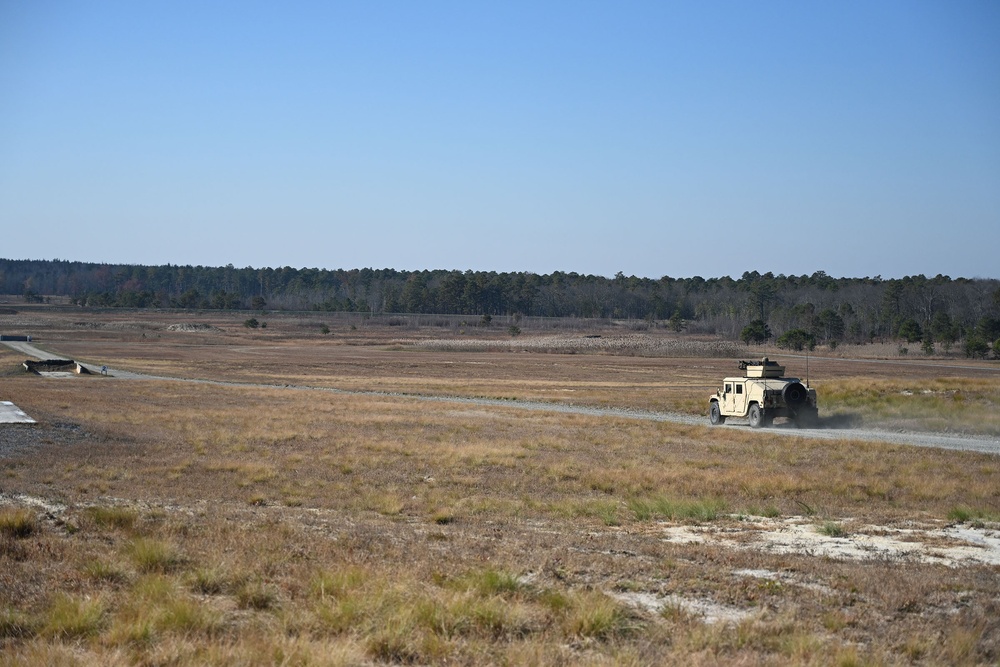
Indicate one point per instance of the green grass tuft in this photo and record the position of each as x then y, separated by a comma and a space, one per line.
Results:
594, 615
18, 523
256, 596
184, 616
443, 517
647, 509
73, 617
151, 555
963, 514
832, 529
337, 584
16, 625
119, 518
208, 581
99, 570
489, 582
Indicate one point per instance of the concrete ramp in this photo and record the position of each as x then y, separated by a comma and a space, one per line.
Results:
11, 414
56, 367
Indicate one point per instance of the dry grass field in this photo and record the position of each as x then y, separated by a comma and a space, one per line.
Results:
159, 522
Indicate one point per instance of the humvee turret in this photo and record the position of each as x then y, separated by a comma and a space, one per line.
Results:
763, 394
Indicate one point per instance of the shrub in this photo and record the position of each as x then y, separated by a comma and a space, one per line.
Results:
756, 332
251, 323
676, 322
943, 329
910, 331
976, 348
796, 339
988, 328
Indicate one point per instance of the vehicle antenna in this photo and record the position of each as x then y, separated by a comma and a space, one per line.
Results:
807, 366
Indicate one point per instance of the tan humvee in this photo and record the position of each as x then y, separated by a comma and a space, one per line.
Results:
763, 394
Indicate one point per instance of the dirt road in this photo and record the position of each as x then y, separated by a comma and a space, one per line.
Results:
830, 430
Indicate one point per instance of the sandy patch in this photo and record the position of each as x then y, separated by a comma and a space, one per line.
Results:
953, 546
707, 611
51, 507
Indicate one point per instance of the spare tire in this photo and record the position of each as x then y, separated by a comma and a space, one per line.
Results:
794, 394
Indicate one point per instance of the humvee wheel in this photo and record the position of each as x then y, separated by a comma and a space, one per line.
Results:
715, 414
756, 418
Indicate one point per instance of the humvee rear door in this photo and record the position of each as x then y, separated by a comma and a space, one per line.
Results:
739, 398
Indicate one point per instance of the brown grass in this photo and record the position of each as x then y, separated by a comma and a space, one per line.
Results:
210, 524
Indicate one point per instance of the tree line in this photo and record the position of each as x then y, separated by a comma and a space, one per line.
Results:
793, 310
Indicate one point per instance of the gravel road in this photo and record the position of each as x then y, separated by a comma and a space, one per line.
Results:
830, 430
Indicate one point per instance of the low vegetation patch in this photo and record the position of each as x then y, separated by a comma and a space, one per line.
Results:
118, 518
218, 524
661, 508
627, 345
963, 514
832, 529
17, 522
941, 404
73, 617
153, 555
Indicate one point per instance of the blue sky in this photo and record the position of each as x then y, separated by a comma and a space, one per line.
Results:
652, 138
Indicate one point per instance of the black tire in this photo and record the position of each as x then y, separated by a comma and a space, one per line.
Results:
715, 414
756, 417
794, 394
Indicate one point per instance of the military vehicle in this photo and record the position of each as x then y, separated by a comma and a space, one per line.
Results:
763, 394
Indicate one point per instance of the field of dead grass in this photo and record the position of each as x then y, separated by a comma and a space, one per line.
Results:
926, 395
156, 522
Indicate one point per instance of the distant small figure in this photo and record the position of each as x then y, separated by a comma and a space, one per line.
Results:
104, 370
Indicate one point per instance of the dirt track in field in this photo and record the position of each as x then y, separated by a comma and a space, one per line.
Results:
830, 428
